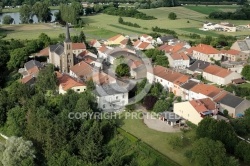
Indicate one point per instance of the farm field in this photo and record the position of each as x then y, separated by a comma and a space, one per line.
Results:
32, 31
158, 140
181, 25
212, 8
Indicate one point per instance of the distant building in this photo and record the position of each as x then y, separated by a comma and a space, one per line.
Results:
242, 45
223, 26
206, 53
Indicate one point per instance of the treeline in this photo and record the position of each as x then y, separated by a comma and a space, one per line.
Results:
40, 9
121, 21
156, 4
127, 12
32, 2
162, 30
239, 14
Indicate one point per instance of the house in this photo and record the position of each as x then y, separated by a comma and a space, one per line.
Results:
115, 40
171, 49
164, 76
139, 45
242, 45
84, 54
103, 51
164, 39
95, 43
30, 72
137, 69
63, 56
178, 60
82, 71
170, 118
185, 88
197, 67
219, 75
206, 53
235, 55
147, 39
201, 90
101, 78
123, 43
111, 97
223, 26
67, 82
195, 110
235, 105
177, 84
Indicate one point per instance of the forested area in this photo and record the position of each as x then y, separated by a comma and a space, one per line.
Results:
240, 14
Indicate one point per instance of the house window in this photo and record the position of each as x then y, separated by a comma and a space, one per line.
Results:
123, 96
103, 106
116, 97
78, 90
161, 80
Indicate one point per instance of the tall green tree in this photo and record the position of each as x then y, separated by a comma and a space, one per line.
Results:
17, 151
25, 13
246, 72
42, 11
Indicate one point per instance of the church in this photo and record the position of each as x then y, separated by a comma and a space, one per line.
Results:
63, 56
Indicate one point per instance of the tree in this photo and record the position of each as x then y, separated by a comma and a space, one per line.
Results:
172, 16
82, 38
242, 151
218, 130
90, 85
42, 11
17, 58
161, 106
149, 102
25, 13
129, 43
17, 151
44, 39
209, 152
246, 72
7, 19
162, 60
46, 80
122, 70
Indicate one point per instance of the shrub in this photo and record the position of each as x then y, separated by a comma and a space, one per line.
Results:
7, 19
172, 16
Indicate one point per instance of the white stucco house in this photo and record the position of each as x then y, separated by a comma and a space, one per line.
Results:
111, 97
206, 53
219, 75
178, 60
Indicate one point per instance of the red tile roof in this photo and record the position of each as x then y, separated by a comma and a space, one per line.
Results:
203, 105
124, 42
67, 82
92, 42
206, 49
82, 69
136, 43
143, 45
102, 78
166, 73
217, 71
26, 79
180, 56
233, 52
33, 71
181, 80
102, 49
43, 52
207, 90
77, 46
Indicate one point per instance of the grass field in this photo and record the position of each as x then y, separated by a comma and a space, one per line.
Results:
181, 25
32, 31
212, 8
158, 140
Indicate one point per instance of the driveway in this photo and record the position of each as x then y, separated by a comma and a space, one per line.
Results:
156, 124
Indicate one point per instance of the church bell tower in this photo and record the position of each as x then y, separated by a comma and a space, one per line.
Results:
68, 57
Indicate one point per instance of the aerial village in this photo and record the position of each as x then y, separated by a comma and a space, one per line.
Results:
199, 97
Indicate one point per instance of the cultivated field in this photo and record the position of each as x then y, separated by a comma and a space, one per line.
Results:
194, 16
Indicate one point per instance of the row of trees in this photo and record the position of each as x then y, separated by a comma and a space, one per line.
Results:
239, 14
162, 30
156, 4
121, 21
40, 9
127, 12
32, 2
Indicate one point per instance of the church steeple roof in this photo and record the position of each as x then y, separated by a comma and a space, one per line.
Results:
67, 37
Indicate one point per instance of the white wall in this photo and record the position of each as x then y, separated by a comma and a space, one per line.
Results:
119, 100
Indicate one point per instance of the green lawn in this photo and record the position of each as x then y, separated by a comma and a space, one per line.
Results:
246, 85
157, 140
200, 32
209, 9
